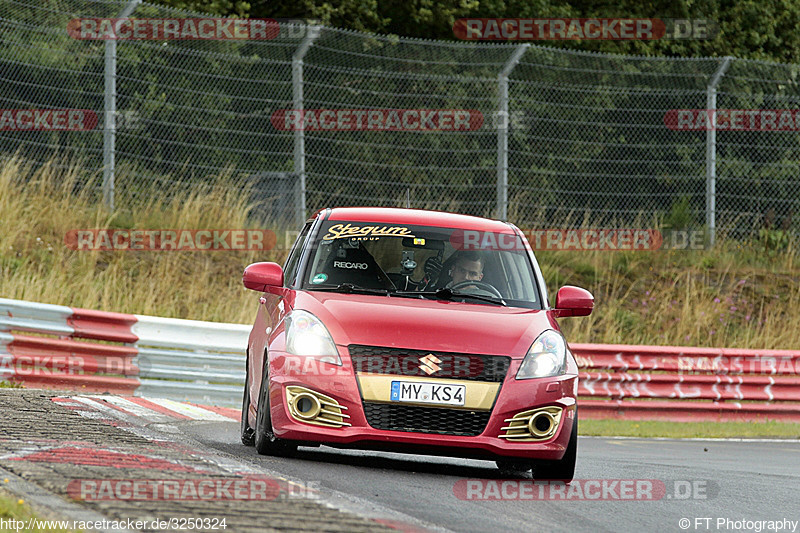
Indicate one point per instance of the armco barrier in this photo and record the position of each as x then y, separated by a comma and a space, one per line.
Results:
204, 362
683, 384
50, 346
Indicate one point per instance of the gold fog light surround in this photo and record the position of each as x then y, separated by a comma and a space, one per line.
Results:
311, 407
532, 425
307, 406
542, 424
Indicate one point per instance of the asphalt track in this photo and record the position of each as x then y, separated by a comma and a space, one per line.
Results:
732, 481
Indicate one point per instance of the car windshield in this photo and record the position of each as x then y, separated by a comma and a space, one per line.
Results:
420, 261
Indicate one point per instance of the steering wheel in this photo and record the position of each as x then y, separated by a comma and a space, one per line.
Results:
480, 285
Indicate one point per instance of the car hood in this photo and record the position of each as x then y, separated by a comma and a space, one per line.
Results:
436, 325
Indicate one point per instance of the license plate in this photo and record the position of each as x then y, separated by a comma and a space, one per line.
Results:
434, 393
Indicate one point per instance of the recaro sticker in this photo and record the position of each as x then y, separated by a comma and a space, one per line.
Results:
352, 266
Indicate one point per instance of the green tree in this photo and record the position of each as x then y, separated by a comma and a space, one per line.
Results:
747, 29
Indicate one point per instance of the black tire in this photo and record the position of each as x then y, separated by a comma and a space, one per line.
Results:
564, 469
265, 440
248, 435
513, 466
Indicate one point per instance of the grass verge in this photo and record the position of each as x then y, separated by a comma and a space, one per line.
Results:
739, 295
39, 206
659, 428
13, 508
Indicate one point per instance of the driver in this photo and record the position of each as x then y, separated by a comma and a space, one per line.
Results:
467, 267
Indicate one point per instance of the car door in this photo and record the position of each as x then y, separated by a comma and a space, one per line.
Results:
272, 308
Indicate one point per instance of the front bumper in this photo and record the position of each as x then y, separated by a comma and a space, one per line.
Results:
340, 383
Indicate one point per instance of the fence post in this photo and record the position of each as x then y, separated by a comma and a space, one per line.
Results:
502, 131
711, 152
110, 110
312, 32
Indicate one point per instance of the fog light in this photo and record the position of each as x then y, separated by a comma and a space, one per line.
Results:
541, 424
312, 407
533, 424
307, 406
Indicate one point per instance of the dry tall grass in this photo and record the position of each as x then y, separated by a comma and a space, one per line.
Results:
737, 295
37, 208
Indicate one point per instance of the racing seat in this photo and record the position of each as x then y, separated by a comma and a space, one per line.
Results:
347, 264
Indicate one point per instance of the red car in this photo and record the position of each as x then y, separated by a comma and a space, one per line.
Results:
413, 331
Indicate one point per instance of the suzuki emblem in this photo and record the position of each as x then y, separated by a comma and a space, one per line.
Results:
429, 365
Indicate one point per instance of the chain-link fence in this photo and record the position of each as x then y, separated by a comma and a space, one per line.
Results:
585, 141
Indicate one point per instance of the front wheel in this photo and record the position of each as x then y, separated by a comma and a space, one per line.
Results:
265, 440
513, 467
248, 435
563, 469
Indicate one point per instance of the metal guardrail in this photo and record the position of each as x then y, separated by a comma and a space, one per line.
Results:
203, 362
191, 360
186, 360
685, 384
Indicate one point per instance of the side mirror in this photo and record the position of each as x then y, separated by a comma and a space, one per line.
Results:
259, 276
573, 301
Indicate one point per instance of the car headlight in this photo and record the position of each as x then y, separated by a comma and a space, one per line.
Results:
546, 357
306, 335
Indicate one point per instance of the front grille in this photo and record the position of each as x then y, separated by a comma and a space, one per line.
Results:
426, 419
403, 362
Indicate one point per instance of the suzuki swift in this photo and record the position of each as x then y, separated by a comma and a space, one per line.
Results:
413, 331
